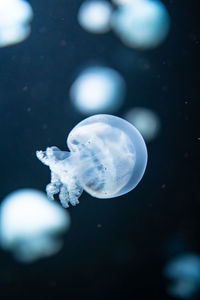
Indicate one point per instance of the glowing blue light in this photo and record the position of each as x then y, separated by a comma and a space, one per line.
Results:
184, 273
108, 158
94, 16
141, 24
15, 16
29, 225
146, 121
98, 90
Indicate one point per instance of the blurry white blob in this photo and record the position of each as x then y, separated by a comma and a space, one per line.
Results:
184, 272
98, 90
30, 225
141, 24
15, 16
146, 121
13, 35
94, 16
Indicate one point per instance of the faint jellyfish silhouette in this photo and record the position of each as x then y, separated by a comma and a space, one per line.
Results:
98, 89
94, 16
31, 225
108, 158
184, 272
15, 16
146, 121
141, 24
177, 243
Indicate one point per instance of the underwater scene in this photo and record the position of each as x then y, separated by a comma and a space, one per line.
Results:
100, 149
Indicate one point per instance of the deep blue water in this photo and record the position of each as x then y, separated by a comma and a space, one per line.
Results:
127, 253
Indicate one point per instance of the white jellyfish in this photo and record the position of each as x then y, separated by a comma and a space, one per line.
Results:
94, 16
184, 274
31, 225
15, 18
98, 89
141, 24
107, 158
146, 121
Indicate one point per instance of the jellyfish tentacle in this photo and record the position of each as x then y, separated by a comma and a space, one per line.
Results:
69, 193
51, 190
63, 196
41, 155
63, 182
53, 187
48, 157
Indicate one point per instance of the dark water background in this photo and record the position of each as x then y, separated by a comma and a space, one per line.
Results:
114, 247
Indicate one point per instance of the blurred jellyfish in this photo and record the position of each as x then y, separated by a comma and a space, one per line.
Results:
142, 24
98, 90
107, 159
31, 224
15, 18
146, 121
94, 16
184, 273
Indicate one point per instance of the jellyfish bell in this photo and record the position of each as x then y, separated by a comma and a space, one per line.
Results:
94, 16
14, 35
107, 159
98, 89
146, 121
30, 225
141, 24
15, 18
113, 144
14, 12
185, 265
183, 271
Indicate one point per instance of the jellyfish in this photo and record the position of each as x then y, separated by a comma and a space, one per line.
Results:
141, 24
94, 16
184, 273
146, 121
98, 89
31, 225
107, 159
15, 18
